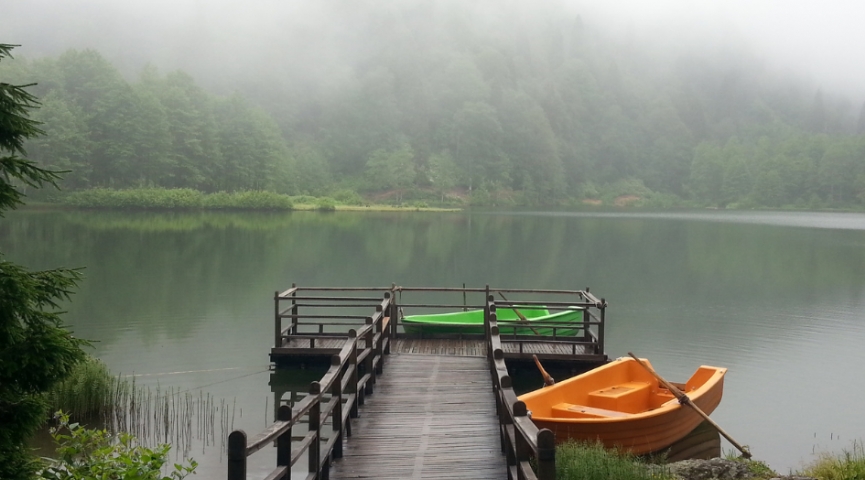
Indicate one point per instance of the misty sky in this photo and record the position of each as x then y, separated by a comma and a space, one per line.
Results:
822, 40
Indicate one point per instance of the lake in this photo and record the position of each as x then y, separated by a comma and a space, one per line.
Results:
183, 301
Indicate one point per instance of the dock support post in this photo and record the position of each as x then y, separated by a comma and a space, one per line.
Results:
283, 442
379, 351
277, 322
314, 451
546, 455
352, 371
369, 340
294, 310
603, 308
237, 455
337, 409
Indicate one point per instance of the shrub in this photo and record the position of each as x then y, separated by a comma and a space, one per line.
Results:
348, 197
326, 204
84, 454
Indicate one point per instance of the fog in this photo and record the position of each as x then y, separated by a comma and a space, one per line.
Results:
223, 42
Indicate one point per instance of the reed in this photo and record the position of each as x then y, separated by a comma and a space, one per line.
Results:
88, 392
154, 415
588, 461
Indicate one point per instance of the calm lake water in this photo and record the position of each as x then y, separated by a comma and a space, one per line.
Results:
184, 301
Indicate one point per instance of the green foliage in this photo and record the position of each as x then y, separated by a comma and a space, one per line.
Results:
87, 392
178, 198
848, 465
582, 461
348, 197
36, 351
325, 204
85, 454
531, 123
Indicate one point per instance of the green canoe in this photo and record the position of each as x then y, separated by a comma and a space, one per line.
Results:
472, 322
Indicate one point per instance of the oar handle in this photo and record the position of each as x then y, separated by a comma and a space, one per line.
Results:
548, 379
520, 314
683, 398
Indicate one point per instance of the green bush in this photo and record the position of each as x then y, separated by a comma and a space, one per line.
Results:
348, 197
326, 204
85, 454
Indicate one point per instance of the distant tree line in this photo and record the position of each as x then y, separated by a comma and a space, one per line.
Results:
541, 111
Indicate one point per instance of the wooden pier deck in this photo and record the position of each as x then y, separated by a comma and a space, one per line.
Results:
398, 404
432, 417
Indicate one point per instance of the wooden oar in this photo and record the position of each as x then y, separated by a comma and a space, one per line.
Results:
520, 314
683, 398
548, 379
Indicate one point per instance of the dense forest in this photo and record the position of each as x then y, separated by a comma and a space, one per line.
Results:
451, 105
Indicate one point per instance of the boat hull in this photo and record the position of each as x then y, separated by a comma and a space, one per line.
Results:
472, 322
663, 423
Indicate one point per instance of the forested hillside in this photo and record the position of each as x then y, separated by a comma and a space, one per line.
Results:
438, 99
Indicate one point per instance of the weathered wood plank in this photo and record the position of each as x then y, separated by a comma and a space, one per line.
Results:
432, 417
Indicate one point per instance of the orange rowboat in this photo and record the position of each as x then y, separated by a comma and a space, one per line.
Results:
622, 405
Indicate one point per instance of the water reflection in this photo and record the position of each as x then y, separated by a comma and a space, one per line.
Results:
776, 297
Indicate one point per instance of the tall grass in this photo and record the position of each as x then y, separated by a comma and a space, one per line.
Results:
848, 465
177, 198
586, 461
88, 392
153, 415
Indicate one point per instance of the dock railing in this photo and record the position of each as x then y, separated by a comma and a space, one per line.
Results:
585, 334
334, 398
310, 314
521, 440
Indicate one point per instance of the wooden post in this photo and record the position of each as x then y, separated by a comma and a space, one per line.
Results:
603, 308
352, 372
314, 451
394, 312
506, 421
283, 442
546, 455
337, 409
294, 318
390, 332
237, 455
367, 362
465, 302
523, 451
277, 322
379, 351
587, 335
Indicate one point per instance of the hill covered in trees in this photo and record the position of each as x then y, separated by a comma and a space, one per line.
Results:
523, 106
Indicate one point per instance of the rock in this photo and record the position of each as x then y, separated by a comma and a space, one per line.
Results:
712, 469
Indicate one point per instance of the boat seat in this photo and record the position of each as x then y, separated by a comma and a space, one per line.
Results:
569, 410
629, 397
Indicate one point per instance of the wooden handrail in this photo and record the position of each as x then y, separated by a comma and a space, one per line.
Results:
521, 438
344, 388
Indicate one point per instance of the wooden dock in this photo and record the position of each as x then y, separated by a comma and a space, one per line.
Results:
444, 405
432, 417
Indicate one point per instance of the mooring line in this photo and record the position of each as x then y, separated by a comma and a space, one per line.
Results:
187, 371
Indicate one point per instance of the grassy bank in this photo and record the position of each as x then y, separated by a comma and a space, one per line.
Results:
188, 199
581, 461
